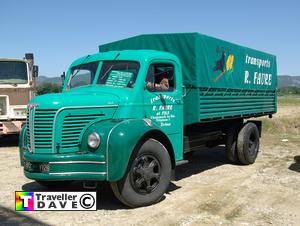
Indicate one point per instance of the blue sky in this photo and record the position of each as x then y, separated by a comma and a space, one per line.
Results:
58, 32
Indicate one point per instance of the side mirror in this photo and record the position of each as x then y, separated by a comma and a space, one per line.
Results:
35, 71
63, 77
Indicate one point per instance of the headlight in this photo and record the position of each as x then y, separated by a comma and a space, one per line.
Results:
94, 140
20, 112
3, 105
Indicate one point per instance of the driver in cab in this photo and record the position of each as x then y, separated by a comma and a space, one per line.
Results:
161, 82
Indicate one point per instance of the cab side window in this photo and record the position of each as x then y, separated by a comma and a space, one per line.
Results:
161, 78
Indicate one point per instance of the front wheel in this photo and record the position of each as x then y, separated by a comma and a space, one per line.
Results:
147, 178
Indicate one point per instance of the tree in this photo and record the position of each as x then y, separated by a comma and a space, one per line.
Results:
292, 90
48, 88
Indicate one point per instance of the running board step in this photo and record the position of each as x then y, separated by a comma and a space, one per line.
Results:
90, 185
181, 162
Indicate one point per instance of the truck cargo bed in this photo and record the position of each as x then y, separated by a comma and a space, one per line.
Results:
217, 104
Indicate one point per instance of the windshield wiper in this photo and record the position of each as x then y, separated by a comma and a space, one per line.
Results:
106, 72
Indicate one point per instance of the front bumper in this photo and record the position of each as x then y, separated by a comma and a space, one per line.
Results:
11, 127
71, 166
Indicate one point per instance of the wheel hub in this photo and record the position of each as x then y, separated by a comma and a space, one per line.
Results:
145, 174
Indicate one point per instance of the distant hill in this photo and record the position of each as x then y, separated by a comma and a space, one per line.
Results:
82, 79
283, 80
44, 79
288, 81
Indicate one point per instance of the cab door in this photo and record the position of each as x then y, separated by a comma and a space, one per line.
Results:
163, 97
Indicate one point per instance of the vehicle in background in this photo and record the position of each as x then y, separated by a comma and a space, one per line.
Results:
17, 87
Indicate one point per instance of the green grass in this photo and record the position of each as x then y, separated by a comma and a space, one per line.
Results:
287, 124
281, 125
289, 100
267, 125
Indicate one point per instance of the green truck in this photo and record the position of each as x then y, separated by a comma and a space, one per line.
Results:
131, 113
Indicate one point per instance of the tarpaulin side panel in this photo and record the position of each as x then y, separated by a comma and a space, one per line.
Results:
222, 64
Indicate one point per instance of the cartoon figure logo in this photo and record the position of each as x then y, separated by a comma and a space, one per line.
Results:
224, 65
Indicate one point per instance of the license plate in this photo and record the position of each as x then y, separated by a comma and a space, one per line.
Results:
28, 166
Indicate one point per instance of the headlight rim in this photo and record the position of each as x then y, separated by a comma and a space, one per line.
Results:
97, 136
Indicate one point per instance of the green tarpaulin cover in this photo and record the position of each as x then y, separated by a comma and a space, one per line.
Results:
223, 80
209, 62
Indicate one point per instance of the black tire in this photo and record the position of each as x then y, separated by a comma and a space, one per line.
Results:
54, 184
231, 144
147, 178
248, 143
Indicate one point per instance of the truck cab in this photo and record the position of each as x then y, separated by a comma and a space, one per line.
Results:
106, 114
17, 82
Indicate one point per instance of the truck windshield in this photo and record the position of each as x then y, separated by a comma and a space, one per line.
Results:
13, 72
112, 73
83, 74
118, 73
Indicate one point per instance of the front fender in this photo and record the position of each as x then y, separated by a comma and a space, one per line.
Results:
121, 142
118, 141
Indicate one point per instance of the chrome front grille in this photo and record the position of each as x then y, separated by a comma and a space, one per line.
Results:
43, 128
72, 127
39, 132
28, 141
42, 136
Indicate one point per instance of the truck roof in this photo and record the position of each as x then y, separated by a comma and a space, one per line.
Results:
12, 59
134, 55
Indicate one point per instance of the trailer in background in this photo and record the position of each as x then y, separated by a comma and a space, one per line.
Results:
17, 87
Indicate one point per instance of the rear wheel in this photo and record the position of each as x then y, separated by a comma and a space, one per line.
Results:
248, 143
147, 178
231, 144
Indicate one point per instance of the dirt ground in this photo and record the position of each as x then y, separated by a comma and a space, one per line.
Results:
208, 191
